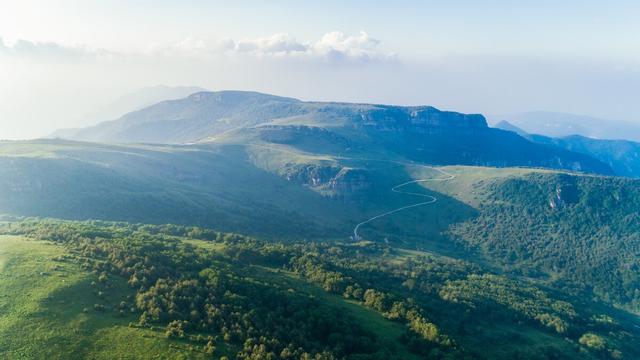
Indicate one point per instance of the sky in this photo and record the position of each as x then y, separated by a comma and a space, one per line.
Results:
61, 60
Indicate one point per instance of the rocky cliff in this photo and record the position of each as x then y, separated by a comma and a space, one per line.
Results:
422, 119
335, 182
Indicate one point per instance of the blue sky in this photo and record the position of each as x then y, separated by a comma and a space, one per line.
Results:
61, 59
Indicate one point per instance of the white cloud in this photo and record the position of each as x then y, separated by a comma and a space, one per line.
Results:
275, 44
361, 46
49, 51
332, 47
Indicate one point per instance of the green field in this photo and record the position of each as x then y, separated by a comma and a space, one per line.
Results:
47, 310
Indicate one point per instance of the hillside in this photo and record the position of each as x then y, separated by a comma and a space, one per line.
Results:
575, 233
113, 290
262, 190
205, 185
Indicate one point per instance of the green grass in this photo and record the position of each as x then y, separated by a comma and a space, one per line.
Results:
42, 311
47, 309
469, 183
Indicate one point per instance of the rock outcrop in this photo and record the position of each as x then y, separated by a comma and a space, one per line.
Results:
342, 183
422, 119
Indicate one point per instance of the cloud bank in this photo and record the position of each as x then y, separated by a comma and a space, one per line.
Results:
50, 51
334, 46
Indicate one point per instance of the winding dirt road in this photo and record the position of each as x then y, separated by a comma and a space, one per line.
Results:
395, 189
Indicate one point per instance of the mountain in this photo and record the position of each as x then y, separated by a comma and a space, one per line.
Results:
268, 227
622, 156
420, 133
507, 126
131, 102
560, 125
541, 257
192, 118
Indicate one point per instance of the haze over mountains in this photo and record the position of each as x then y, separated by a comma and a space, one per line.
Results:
556, 124
623, 156
130, 102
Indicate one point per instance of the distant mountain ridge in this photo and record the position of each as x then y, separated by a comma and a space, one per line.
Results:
622, 156
505, 125
561, 124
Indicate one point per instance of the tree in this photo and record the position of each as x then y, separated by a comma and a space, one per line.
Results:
592, 341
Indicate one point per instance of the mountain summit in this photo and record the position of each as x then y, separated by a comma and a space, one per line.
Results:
206, 114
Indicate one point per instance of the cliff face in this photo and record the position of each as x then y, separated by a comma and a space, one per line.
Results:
295, 134
335, 182
422, 120
566, 194
350, 182
311, 175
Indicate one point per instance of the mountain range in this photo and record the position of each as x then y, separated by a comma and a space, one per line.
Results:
420, 133
249, 225
623, 156
554, 124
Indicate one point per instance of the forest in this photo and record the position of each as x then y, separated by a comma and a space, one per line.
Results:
579, 234
217, 291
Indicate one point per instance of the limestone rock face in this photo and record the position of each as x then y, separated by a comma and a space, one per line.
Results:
334, 182
422, 119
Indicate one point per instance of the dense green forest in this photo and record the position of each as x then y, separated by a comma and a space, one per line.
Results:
230, 295
577, 233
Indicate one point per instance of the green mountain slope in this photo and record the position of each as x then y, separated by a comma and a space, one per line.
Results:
576, 233
212, 186
51, 308
267, 190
